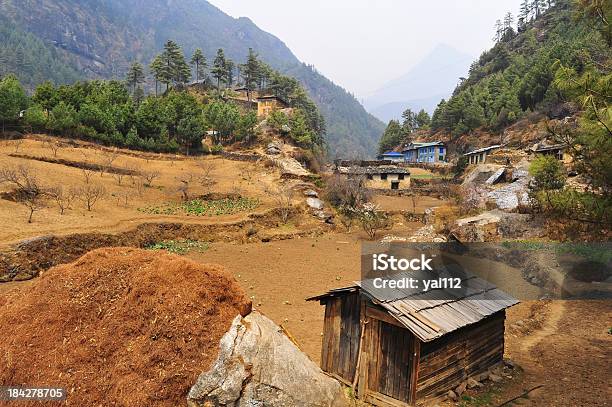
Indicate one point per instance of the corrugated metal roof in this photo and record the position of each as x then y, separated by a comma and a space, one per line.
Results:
480, 150
383, 169
437, 312
414, 146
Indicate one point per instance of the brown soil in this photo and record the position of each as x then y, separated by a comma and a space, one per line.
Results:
26, 259
112, 214
404, 203
564, 345
122, 327
279, 275
77, 164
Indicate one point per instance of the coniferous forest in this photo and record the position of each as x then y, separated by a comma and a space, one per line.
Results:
171, 117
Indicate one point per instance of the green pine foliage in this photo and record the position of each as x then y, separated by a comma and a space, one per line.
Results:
516, 76
392, 137
31, 59
118, 112
13, 100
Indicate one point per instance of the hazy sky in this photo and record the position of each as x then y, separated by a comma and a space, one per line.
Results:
362, 44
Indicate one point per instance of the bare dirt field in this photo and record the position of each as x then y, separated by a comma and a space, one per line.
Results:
118, 210
406, 203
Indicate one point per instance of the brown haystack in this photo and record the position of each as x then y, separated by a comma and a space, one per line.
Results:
118, 327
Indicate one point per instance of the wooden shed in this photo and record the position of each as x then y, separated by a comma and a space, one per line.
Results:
398, 347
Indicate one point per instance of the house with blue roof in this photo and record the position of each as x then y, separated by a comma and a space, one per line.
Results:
393, 156
430, 152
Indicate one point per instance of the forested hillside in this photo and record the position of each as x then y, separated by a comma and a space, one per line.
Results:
100, 39
35, 60
517, 76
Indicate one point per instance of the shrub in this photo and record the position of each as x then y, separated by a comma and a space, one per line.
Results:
63, 119
371, 218
35, 117
342, 191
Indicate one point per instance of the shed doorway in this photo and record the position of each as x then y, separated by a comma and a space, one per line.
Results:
394, 184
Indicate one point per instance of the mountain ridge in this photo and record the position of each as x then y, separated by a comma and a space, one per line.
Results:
434, 76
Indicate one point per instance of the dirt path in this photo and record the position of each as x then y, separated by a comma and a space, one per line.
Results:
564, 346
550, 326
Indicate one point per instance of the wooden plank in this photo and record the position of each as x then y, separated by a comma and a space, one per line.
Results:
414, 372
374, 351
451, 359
335, 337
384, 316
379, 399
364, 352
356, 334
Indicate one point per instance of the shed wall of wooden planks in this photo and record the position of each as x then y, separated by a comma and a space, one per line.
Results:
341, 333
446, 362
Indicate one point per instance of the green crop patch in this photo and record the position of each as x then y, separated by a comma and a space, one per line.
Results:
198, 207
179, 246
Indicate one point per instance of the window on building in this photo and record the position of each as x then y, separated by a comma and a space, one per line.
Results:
370, 177
441, 150
383, 177
400, 176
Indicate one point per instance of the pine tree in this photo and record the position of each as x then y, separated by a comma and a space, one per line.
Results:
156, 68
536, 6
499, 31
229, 72
422, 119
391, 138
508, 20
409, 122
251, 72
175, 69
135, 76
199, 60
265, 74
525, 10
218, 70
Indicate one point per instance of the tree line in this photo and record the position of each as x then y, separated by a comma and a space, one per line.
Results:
173, 118
398, 132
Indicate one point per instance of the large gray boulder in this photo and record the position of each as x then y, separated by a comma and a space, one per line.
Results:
258, 366
510, 196
315, 203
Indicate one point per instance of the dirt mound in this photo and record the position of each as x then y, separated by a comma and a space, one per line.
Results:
120, 326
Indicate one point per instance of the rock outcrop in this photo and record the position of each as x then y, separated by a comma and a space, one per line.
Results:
493, 226
291, 168
259, 366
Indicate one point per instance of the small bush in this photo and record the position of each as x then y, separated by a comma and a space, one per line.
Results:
342, 191
371, 218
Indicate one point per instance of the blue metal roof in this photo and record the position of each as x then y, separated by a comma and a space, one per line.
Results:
393, 153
